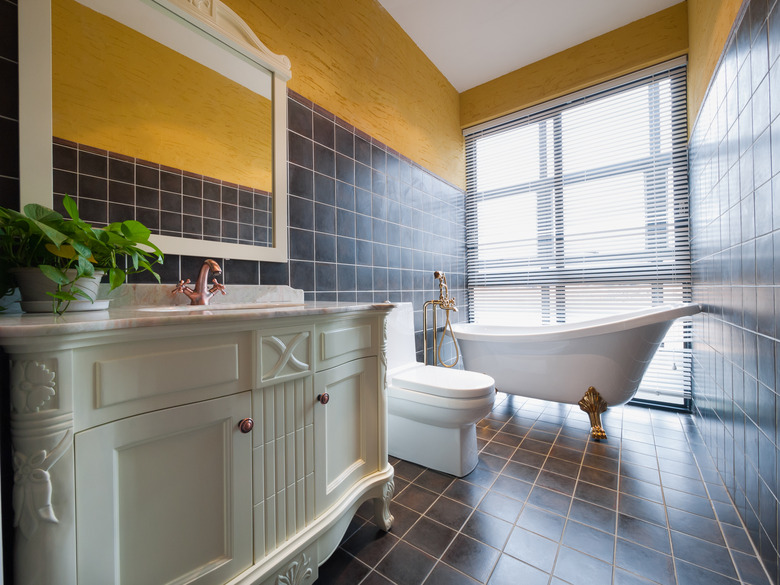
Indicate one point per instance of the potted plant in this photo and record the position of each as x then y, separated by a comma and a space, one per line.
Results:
70, 253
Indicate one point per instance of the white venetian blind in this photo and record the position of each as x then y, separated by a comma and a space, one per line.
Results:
578, 209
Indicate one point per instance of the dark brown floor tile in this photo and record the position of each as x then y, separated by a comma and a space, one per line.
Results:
749, 569
683, 484
481, 477
430, 537
434, 481
399, 486
405, 565
570, 455
603, 450
515, 429
369, 544
689, 503
488, 529
561, 467
640, 459
573, 443
449, 512
417, 498
727, 513
641, 489
705, 554
737, 538
589, 541
373, 578
521, 471
408, 471
694, 525
596, 495
644, 561
554, 481
532, 549
642, 509
471, 557
602, 463
599, 477
535, 446
491, 463
403, 519
514, 488
342, 568
593, 515
508, 569
677, 468
549, 500
542, 522
465, 492
529, 457
688, 574
443, 574
501, 506
507, 439
498, 450
645, 474
576, 567
644, 533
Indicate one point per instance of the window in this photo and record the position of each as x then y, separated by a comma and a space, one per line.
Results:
578, 209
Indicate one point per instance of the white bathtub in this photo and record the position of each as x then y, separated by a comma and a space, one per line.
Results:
560, 362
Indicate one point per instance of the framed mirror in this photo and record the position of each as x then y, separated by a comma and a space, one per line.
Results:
185, 103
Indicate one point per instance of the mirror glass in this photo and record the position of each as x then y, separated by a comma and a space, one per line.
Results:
186, 115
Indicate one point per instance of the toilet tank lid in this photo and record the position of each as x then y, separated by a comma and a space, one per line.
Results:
445, 382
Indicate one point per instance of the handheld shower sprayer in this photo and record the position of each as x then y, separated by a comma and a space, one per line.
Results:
447, 303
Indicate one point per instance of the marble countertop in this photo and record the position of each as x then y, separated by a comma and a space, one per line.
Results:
144, 307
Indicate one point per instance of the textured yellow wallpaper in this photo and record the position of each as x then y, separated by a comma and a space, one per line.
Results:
642, 43
115, 89
709, 24
354, 60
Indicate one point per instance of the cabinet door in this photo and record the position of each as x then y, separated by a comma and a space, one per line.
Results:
346, 444
166, 497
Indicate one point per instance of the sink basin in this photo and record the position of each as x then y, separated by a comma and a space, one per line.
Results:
215, 307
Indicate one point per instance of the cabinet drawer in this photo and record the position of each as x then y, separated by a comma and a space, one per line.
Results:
346, 340
119, 380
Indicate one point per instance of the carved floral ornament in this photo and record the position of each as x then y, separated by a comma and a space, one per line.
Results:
297, 572
32, 386
32, 486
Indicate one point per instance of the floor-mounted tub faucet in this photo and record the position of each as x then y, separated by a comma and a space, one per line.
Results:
199, 295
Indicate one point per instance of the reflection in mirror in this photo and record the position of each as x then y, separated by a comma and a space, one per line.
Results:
172, 120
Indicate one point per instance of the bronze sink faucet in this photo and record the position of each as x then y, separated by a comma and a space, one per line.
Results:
199, 295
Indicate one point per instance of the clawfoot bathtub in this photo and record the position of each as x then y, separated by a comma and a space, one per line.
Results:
604, 358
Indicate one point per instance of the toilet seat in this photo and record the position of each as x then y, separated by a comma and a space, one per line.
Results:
447, 383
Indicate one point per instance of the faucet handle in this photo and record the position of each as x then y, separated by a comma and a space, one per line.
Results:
217, 287
180, 287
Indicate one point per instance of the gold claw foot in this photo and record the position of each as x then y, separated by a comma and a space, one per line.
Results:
594, 405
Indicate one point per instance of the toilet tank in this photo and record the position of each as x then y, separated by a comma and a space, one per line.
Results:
400, 337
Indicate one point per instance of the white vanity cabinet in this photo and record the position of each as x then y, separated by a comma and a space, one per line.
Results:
135, 462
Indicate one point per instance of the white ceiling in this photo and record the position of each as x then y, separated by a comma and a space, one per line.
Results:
474, 41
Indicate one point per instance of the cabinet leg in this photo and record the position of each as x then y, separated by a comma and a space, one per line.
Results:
382, 515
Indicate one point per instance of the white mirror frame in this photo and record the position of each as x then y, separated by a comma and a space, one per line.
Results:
207, 32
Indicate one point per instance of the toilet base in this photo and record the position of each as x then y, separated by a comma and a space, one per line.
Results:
450, 450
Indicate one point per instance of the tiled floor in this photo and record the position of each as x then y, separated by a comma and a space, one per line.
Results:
548, 505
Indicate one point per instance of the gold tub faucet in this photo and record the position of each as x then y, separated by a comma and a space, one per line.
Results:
200, 295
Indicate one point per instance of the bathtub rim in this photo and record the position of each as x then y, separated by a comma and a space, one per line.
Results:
600, 326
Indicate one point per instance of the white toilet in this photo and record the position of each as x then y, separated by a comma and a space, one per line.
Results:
432, 411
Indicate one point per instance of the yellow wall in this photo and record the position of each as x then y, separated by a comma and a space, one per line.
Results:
709, 24
642, 43
115, 89
354, 60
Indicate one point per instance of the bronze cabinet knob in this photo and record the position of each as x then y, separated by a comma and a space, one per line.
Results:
323, 398
245, 425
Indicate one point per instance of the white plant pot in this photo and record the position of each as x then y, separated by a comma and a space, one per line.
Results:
34, 286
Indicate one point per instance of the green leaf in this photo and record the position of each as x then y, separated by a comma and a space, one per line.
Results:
70, 207
54, 274
116, 277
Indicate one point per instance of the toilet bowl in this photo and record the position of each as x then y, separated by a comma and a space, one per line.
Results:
432, 411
